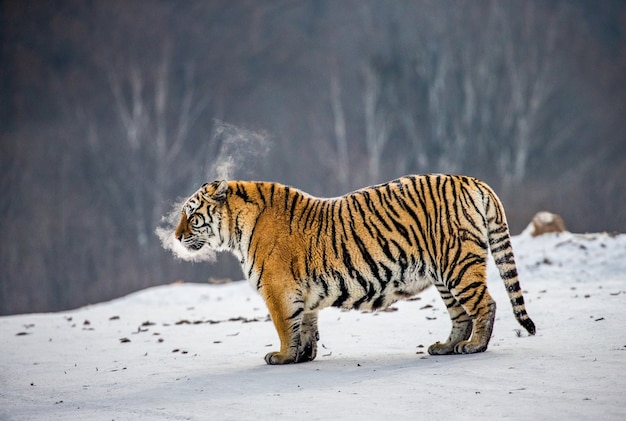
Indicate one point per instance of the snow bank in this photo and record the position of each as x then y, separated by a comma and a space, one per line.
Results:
189, 351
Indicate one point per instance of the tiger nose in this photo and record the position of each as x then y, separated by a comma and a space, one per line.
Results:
179, 237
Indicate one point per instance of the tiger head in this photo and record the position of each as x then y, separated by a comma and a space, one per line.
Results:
201, 218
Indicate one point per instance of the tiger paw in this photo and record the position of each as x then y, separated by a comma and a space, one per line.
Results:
439, 348
469, 347
276, 358
308, 352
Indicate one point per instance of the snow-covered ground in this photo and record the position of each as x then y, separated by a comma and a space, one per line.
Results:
190, 351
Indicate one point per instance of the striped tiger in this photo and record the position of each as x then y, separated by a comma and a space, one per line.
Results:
364, 250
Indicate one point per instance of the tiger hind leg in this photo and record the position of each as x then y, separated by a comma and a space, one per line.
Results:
461, 325
472, 311
482, 329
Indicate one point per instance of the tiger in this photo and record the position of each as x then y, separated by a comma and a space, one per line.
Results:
364, 250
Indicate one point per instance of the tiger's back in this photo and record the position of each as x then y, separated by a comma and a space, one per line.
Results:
367, 249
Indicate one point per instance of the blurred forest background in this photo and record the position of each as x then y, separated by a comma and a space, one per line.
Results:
111, 110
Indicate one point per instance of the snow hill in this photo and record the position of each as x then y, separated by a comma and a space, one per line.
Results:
191, 351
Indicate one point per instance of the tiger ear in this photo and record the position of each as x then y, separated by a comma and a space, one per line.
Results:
221, 191
217, 190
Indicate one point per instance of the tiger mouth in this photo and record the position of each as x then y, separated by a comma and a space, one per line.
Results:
193, 244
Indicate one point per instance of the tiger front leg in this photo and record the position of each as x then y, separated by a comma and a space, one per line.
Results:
287, 314
308, 338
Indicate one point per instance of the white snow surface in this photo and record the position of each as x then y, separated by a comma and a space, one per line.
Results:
195, 351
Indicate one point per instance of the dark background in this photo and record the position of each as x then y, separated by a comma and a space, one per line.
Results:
110, 111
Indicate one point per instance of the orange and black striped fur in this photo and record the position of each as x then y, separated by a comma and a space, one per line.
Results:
364, 250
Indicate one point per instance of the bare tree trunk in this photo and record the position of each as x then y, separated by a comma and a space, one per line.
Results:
341, 141
156, 123
377, 124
